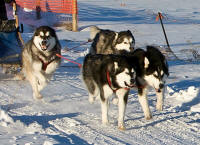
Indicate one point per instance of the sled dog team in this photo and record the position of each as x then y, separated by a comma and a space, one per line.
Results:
112, 67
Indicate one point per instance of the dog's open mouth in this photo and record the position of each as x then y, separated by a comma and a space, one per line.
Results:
157, 90
44, 47
129, 86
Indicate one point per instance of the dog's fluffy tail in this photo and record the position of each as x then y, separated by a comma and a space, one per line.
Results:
93, 31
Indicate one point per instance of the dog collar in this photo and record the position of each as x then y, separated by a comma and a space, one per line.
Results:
109, 82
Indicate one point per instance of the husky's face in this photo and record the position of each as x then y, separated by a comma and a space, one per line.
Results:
125, 76
125, 41
44, 38
157, 79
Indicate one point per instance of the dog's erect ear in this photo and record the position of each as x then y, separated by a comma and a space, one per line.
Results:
116, 35
166, 70
146, 62
116, 65
129, 32
112, 67
36, 33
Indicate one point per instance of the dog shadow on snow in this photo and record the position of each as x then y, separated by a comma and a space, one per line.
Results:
62, 138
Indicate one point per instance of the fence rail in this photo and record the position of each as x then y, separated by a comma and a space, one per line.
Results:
55, 6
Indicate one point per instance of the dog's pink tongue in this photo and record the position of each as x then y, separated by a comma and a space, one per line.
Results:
44, 47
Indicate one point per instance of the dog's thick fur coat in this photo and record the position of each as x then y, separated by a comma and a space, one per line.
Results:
111, 42
105, 75
39, 60
152, 70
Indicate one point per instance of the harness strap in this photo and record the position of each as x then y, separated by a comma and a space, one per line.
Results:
109, 82
45, 64
141, 87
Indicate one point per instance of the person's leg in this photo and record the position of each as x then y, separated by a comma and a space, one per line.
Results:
3, 14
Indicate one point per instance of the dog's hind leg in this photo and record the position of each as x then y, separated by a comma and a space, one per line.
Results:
92, 89
122, 95
142, 94
160, 97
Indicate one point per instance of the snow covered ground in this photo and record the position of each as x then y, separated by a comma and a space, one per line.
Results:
65, 115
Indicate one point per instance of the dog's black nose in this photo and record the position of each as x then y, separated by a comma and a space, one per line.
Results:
44, 42
131, 49
132, 80
161, 86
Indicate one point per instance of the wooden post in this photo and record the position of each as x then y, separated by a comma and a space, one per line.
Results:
74, 16
163, 28
38, 9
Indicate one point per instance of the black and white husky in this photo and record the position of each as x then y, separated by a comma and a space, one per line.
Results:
111, 42
105, 75
39, 60
152, 71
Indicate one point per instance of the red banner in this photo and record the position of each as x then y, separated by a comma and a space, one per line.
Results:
56, 6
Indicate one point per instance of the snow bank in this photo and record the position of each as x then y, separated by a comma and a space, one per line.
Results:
5, 119
188, 97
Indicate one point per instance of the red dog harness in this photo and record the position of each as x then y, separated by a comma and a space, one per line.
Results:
45, 64
109, 82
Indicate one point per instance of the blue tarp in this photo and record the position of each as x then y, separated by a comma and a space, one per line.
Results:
10, 47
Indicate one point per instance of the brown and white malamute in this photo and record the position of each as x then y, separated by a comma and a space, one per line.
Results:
39, 60
111, 42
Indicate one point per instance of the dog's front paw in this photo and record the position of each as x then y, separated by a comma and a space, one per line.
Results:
115, 101
121, 127
148, 117
37, 96
105, 122
91, 100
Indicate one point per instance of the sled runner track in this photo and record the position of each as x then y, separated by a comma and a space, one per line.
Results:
169, 125
73, 80
92, 135
77, 85
5, 90
147, 133
75, 127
